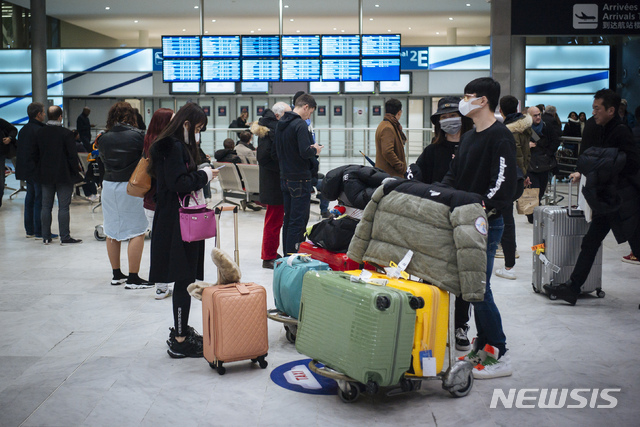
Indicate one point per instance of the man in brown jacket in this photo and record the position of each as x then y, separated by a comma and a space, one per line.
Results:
390, 141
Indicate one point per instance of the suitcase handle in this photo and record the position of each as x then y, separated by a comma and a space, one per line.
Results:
570, 211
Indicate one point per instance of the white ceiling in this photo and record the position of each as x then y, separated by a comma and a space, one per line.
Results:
417, 20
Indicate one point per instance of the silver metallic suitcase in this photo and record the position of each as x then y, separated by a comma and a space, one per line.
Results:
561, 230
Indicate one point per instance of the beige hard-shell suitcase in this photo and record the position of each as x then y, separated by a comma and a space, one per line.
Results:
234, 324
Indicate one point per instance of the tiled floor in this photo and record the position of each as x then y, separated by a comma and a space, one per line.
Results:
76, 351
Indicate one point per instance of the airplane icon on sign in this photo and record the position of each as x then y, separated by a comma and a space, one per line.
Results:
585, 17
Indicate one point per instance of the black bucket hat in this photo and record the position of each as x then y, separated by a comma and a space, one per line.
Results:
448, 104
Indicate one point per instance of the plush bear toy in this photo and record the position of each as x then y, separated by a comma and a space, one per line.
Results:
228, 270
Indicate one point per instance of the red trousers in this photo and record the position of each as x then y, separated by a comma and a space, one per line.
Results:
271, 232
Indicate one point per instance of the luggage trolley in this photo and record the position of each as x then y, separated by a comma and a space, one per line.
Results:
290, 323
457, 379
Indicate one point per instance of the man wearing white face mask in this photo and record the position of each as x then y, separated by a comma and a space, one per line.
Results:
486, 164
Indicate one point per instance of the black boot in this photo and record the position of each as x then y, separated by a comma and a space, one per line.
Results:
564, 291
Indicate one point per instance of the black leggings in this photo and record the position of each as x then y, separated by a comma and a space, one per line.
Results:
181, 306
508, 240
462, 312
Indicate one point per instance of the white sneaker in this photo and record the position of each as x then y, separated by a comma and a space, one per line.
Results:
492, 368
162, 294
499, 252
517, 255
506, 274
94, 198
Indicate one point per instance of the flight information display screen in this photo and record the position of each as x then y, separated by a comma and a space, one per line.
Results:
344, 46
381, 69
261, 46
337, 70
181, 46
220, 46
266, 70
181, 70
381, 45
221, 70
301, 46
294, 70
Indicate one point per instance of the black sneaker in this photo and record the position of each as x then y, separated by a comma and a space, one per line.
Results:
187, 348
119, 280
138, 284
563, 291
191, 334
462, 342
69, 241
46, 241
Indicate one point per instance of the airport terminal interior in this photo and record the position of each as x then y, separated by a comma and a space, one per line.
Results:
77, 351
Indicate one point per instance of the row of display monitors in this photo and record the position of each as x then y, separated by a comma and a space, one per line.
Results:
291, 46
401, 86
273, 70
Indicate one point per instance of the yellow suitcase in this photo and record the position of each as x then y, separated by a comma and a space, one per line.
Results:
432, 321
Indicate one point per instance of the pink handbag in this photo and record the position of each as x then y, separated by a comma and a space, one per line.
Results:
196, 222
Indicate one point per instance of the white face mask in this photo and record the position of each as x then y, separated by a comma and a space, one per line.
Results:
451, 125
186, 135
466, 107
197, 138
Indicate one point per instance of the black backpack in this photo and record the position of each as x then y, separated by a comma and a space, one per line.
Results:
334, 234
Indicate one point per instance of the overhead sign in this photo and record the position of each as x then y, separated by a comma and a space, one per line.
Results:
414, 58
576, 18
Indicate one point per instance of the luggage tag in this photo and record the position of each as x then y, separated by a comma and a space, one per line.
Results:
538, 249
303, 258
397, 270
367, 277
428, 362
547, 263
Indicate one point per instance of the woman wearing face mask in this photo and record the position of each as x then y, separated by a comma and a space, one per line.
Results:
174, 164
449, 125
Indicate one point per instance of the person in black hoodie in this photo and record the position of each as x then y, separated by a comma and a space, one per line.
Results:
270, 193
486, 165
296, 157
615, 134
227, 154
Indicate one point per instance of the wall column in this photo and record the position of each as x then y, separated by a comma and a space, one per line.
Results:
452, 36
507, 52
39, 51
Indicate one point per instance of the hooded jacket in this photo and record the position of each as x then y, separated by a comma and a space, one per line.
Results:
227, 156
265, 129
445, 228
296, 156
352, 184
520, 127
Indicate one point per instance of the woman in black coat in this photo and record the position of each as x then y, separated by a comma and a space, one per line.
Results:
174, 163
270, 193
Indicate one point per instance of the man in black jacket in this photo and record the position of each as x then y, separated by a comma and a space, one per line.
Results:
296, 158
83, 126
26, 169
614, 135
486, 165
8, 134
57, 169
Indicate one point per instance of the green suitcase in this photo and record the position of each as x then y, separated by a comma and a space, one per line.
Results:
362, 330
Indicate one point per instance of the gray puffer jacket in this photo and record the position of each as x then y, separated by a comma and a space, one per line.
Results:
445, 228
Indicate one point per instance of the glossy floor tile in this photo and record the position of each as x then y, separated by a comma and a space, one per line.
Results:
76, 351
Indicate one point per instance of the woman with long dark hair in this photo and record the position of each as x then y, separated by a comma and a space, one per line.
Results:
174, 164
158, 122
123, 215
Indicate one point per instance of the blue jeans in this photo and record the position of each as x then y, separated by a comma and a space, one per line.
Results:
64, 192
33, 208
324, 203
297, 200
487, 316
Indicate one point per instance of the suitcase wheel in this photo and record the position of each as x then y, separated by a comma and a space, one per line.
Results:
536, 290
600, 293
351, 394
383, 302
416, 302
221, 369
553, 297
291, 333
372, 388
99, 237
466, 388
261, 361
